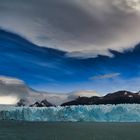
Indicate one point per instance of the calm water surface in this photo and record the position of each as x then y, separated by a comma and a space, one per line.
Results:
11, 130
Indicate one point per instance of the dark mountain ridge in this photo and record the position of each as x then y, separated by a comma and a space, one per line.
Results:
119, 97
43, 103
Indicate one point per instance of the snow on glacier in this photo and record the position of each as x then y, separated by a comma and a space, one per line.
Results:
96, 113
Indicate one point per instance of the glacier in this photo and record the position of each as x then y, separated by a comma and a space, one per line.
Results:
94, 113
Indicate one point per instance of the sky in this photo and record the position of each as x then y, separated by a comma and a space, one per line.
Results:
65, 46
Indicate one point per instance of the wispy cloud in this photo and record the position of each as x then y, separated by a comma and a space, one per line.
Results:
105, 76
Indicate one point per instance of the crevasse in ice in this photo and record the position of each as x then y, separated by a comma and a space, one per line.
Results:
96, 113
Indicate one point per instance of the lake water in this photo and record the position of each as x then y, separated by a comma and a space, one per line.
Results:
11, 130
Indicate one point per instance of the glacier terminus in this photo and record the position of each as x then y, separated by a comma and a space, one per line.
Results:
93, 113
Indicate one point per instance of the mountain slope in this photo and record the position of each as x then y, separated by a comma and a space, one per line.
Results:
120, 97
43, 103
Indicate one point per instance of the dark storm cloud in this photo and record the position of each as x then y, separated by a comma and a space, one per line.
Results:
82, 28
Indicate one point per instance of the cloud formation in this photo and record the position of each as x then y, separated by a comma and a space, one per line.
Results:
50, 70
12, 90
8, 100
81, 28
105, 76
10, 81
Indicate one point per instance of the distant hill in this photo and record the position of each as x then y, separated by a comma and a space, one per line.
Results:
120, 97
43, 103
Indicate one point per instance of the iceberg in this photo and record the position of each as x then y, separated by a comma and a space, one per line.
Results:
94, 113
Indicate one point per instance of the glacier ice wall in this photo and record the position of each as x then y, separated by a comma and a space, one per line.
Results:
96, 113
